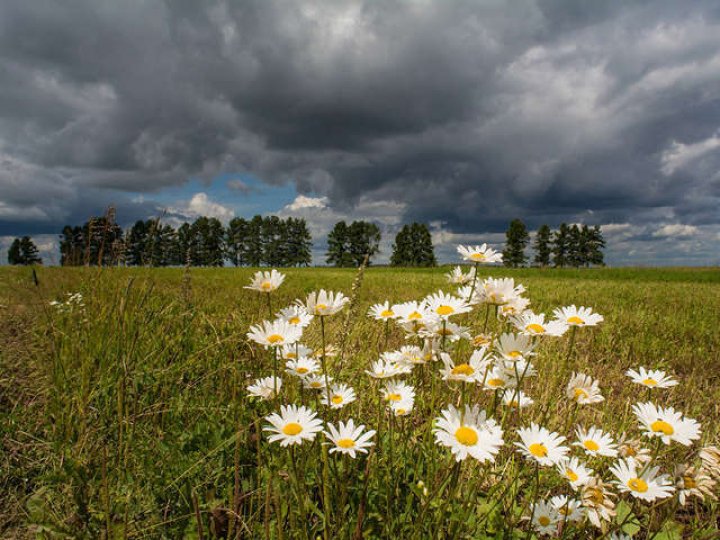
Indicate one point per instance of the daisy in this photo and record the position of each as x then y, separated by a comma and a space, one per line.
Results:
457, 277
402, 407
541, 445
531, 324
583, 389
411, 312
516, 398
544, 518
443, 329
666, 423
514, 346
498, 379
293, 425
384, 369
315, 382
339, 396
274, 334
653, 378
398, 391
577, 316
479, 254
710, 457
568, 509
265, 388
693, 482
470, 434
382, 312
595, 442
266, 282
598, 501
324, 303
471, 371
292, 352
514, 307
646, 486
295, 315
519, 369
633, 449
574, 472
349, 439
444, 305
302, 367
482, 340
469, 293
500, 291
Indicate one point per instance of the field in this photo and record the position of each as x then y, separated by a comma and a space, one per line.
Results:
127, 415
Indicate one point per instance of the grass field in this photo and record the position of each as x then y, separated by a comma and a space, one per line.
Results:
128, 417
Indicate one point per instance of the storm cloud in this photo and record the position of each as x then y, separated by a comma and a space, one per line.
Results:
465, 114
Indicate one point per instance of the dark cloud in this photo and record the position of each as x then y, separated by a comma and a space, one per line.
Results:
465, 113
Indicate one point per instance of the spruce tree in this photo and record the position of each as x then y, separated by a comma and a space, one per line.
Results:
596, 245
575, 247
29, 251
253, 246
543, 248
363, 239
561, 246
413, 246
235, 237
517, 239
14, 256
136, 239
338, 253
299, 243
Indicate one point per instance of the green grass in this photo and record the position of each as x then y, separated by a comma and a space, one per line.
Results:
129, 415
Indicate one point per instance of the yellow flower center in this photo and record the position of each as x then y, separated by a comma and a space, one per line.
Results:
638, 484
320, 307
514, 403
445, 310
661, 426
538, 449
400, 412
564, 511
544, 521
292, 428
575, 320
580, 393
294, 320
689, 482
346, 443
629, 451
290, 355
463, 369
535, 328
571, 475
336, 399
596, 495
479, 341
466, 436
266, 285
393, 397
275, 338
477, 256
316, 384
650, 382
387, 313
414, 316
302, 370
514, 354
495, 383
591, 445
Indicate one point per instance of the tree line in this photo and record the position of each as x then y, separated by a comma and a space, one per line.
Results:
570, 245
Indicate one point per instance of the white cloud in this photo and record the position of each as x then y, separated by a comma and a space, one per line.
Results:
680, 155
301, 201
201, 205
676, 230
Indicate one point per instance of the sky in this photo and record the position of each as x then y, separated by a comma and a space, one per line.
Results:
460, 114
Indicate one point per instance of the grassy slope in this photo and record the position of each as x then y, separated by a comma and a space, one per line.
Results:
149, 387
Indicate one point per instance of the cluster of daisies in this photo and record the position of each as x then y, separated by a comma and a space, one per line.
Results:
595, 465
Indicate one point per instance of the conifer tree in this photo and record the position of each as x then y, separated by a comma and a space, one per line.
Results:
413, 246
517, 239
338, 253
14, 256
299, 243
575, 247
561, 246
29, 252
235, 238
363, 239
543, 248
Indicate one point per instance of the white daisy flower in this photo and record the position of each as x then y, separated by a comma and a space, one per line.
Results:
514, 346
443, 305
574, 472
693, 482
595, 442
583, 389
293, 425
265, 387
349, 439
385, 369
499, 291
274, 334
471, 371
469, 294
541, 445
302, 367
470, 434
653, 378
315, 382
519, 369
568, 509
531, 324
411, 312
402, 407
479, 254
438, 329
295, 315
646, 486
457, 277
266, 282
666, 423
577, 316
324, 303
544, 518
398, 391
293, 352
498, 379
598, 502
410, 355
382, 312
514, 307
516, 398
339, 396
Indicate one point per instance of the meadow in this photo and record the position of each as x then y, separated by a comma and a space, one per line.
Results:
124, 413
